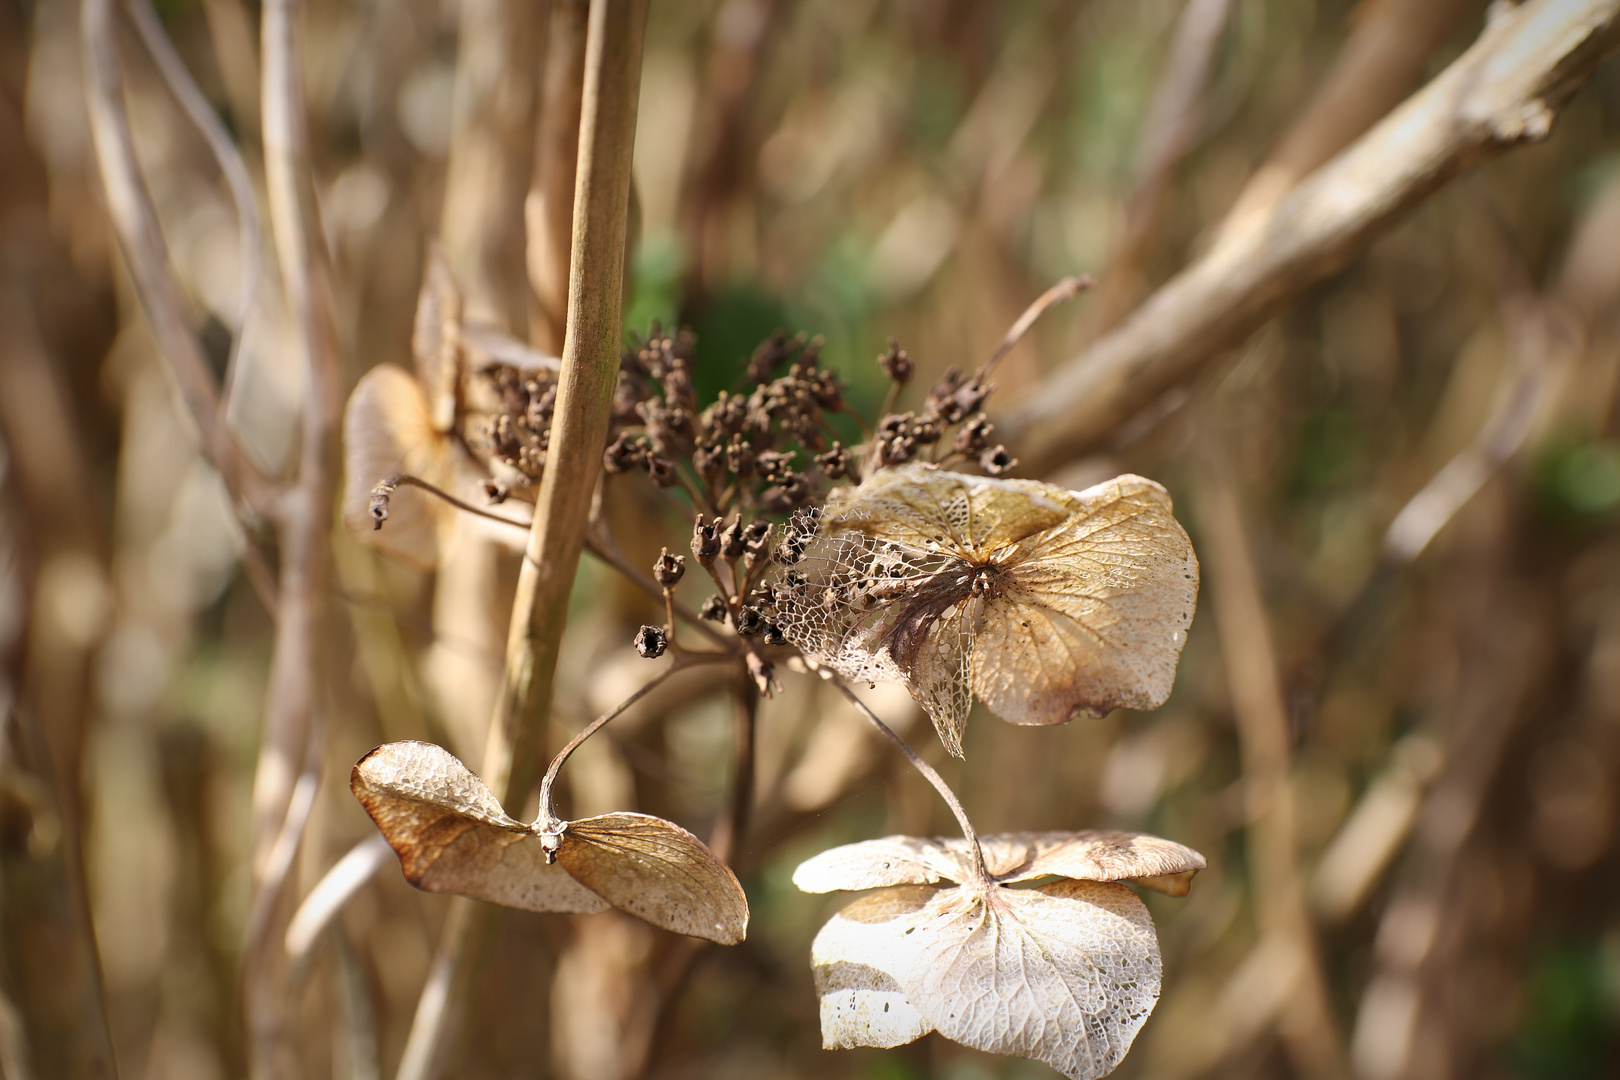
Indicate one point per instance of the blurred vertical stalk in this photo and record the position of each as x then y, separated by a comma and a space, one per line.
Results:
548, 211
290, 744
1305, 1021
590, 368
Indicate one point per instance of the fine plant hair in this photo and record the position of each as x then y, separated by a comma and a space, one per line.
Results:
871, 562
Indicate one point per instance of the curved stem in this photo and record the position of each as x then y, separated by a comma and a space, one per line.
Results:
1067, 289
681, 662
929, 774
381, 491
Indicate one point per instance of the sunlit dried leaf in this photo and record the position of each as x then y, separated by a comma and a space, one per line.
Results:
1090, 855
1045, 603
452, 835
857, 975
1066, 973
657, 871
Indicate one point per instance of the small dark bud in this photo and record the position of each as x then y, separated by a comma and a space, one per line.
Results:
379, 505
732, 542
496, 492
705, 540
774, 465
926, 431
710, 460
757, 536
975, 435
669, 569
713, 609
794, 491
622, 455
996, 461
661, 469
969, 397
834, 464
898, 450
942, 398
651, 641
774, 635
800, 528
749, 622
894, 425
825, 389
740, 456
896, 364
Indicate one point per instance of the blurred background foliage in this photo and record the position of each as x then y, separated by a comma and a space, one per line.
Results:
856, 170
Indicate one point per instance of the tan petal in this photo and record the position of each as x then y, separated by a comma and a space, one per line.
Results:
921, 507
386, 431
1066, 974
452, 835
657, 871
856, 958
1094, 613
872, 864
436, 340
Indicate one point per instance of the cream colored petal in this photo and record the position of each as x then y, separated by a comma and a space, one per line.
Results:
386, 431
855, 958
1093, 614
1090, 855
872, 864
1066, 974
436, 340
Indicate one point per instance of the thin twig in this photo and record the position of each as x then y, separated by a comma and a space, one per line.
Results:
733, 823
1501, 93
327, 898
1066, 289
229, 159
140, 238
383, 490
928, 773
294, 727
680, 662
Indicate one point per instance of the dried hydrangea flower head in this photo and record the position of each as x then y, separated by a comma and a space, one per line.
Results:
1045, 603
1066, 972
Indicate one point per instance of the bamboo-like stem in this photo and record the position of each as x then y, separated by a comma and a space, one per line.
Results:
590, 368
293, 729
929, 774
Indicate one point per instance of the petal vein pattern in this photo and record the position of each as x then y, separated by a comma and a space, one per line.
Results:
1045, 603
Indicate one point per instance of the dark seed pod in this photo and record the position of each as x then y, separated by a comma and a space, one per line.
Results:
710, 460
794, 491
713, 609
774, 635
705, 540
661, 469
651, 641
732, 541
773, 465
896, 364
669, 569
996, 461
757, 536
834, 464
623, 455
740, 456
975, 435
749, 622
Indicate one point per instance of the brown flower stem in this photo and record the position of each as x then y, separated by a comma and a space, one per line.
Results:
680, 662
929, 774
1067, 289
585, 385
729, 830
384, 488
